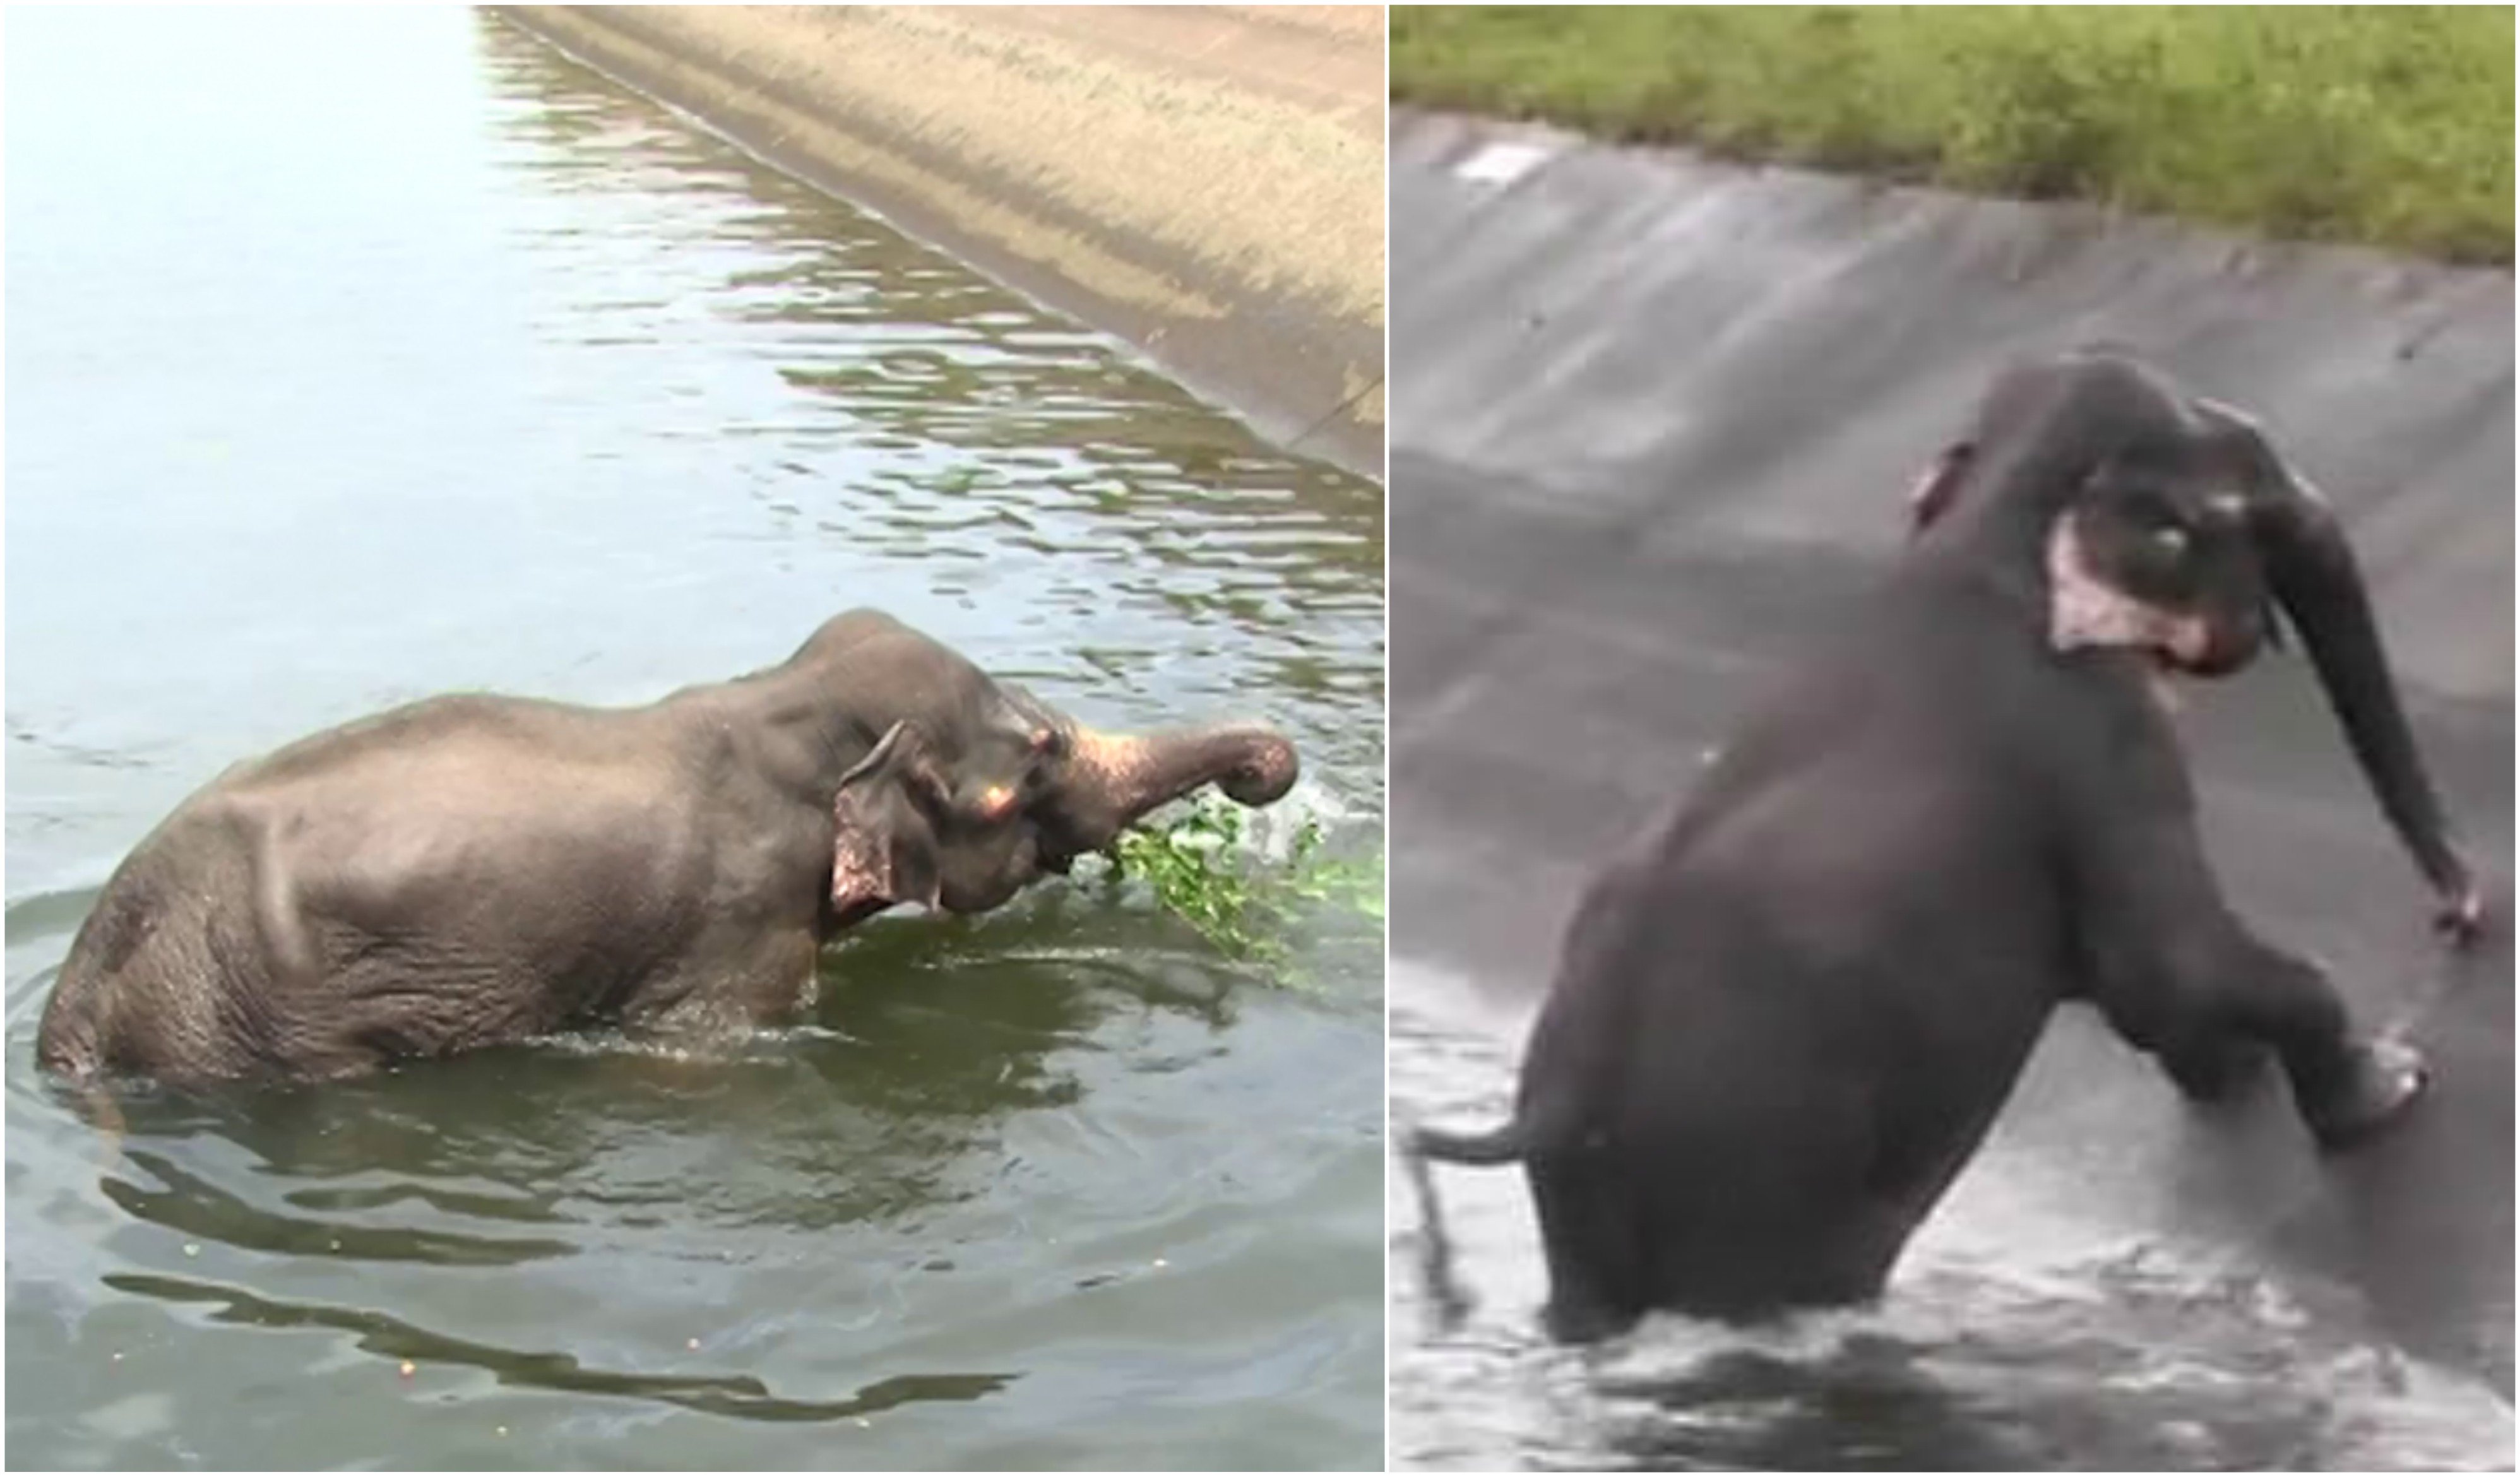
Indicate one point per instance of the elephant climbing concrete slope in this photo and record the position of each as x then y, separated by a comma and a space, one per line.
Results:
1784, 1019
477, 868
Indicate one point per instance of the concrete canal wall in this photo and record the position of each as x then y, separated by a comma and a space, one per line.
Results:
1769, 352
1207, 184
1654, 422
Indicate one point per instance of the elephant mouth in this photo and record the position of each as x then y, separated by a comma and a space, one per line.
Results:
2087, 610
2196, 647
2217, 661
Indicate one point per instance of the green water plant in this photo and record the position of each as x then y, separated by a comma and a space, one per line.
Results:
1195, 861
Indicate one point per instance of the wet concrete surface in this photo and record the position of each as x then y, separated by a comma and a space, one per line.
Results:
1207, 184
1653, 423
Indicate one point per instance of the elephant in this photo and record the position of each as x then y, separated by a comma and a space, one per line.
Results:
473, 868
1788, 1013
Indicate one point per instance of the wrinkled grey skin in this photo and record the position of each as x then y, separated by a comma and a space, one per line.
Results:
1785, 1017
476, 869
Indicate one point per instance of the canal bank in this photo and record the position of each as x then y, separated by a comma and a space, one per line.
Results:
1206, 184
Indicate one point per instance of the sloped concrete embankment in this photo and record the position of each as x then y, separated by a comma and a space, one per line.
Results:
1653, 421
1207, 184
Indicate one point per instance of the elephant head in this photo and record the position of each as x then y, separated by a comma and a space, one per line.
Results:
2156, 520
961, 807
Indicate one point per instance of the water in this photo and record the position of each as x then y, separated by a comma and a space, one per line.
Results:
425, 359
2022, 1332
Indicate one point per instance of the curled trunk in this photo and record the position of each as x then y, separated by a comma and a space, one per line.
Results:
1115, 779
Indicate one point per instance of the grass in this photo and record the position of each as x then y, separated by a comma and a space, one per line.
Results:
2384, 126
1201, 874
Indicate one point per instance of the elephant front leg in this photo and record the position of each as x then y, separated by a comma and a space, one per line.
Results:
2177, 974
2216, 1017
2214, 1069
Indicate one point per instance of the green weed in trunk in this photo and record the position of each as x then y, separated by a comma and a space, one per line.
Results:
1203, 873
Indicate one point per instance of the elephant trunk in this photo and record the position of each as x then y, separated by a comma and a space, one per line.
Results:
1116, 779
2314, 575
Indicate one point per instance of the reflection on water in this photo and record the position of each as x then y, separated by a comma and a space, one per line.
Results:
994, 429
432, 362
1994, 1352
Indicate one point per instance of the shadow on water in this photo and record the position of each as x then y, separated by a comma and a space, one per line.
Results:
1000, 424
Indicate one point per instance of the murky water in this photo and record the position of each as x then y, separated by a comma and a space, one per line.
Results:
359, 356
2011, 1339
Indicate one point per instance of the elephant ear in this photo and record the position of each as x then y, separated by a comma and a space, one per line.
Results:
1935, 487
881, 855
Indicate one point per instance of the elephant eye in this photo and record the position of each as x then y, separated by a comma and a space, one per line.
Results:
2170, 540
996, 803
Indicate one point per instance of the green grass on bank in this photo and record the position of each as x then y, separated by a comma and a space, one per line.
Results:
2387, 125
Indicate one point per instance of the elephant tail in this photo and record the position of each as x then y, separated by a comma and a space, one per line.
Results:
1498, 1146
1419, 1145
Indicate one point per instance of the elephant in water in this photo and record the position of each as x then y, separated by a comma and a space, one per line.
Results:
476, 869
1785, 1017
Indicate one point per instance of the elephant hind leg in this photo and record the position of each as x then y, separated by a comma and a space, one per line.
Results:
1599, 1275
